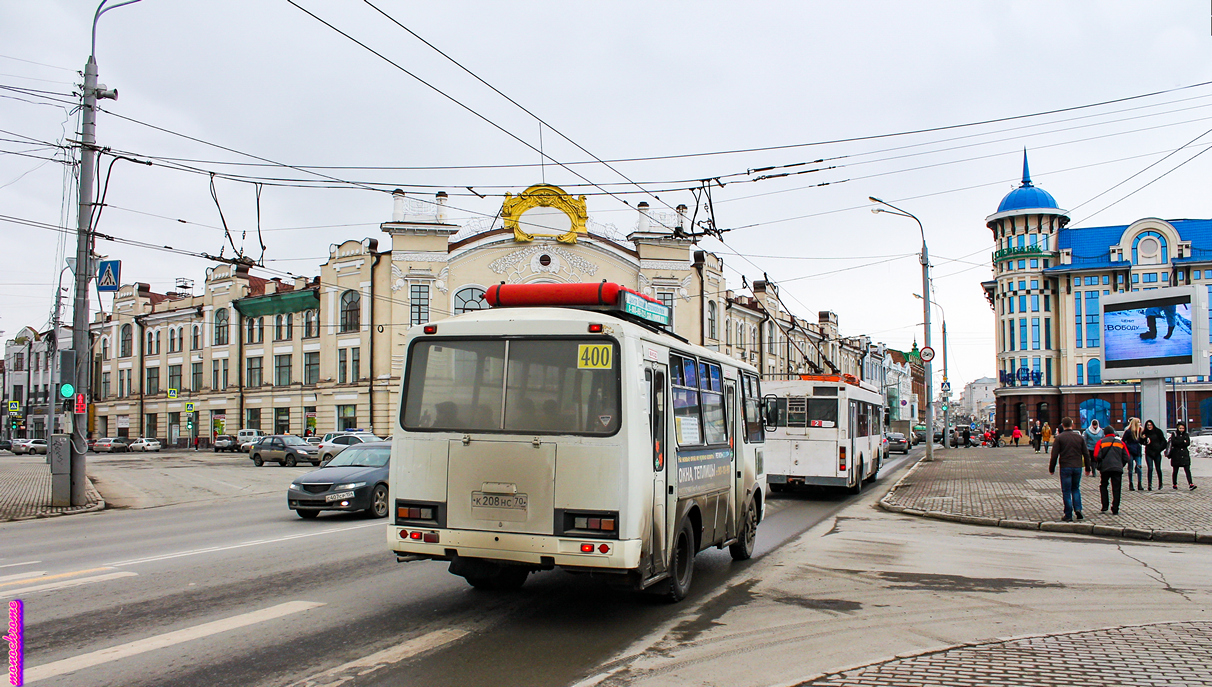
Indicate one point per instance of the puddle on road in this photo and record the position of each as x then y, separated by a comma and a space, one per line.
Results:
957, 583
836, 605
713, 610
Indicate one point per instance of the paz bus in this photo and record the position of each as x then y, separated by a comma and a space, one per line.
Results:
825, 430
564, 426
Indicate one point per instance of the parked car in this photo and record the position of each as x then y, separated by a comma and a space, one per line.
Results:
21, 446
356, 480
284, 449
340, 442
314, 441
6, 445
898, 442
37, 446
110, 445
245, 437
90, 442
226, 442
144, 444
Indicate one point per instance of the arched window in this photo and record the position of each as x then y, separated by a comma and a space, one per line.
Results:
740, 334
150, 348
277, 327
284, 327
711, 315
221, 321
157, 339
469, 299
753, 336
105, 349
1094, 372
1149, 248
196, 341
250, 330
174, 340
771, 343
260, 329
351, 311
290, 326
311, 324
728, 331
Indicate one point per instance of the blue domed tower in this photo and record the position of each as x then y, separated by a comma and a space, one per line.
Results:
1025, 299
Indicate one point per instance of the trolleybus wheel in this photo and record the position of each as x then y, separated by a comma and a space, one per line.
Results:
681, 564
876, 474
742, 549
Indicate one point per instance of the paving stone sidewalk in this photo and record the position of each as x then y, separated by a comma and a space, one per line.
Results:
1153, 655
25, 490
1011, 487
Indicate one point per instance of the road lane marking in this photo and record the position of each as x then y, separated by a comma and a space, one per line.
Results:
13, 565
114, 653
43, 578
63, 584
368, 664
28, 573
213, 549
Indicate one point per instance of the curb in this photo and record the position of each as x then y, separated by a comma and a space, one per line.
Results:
887, 503
41, 515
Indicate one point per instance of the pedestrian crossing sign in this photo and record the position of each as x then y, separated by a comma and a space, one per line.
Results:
14, 406
109, 275
172, 393
189, 407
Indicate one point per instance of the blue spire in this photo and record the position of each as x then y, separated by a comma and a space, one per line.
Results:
1026, 172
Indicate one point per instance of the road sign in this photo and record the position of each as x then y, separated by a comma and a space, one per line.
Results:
14, 406
109, 275
927, 354
946, 386
172, 393
189, 407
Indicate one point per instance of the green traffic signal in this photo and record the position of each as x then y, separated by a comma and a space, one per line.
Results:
67, 390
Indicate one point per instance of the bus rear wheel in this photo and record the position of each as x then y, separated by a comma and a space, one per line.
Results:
742, 549
681, 563
857, 488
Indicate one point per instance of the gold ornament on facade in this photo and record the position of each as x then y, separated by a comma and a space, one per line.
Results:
545, 196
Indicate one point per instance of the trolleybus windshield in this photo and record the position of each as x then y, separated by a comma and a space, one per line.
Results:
534, 385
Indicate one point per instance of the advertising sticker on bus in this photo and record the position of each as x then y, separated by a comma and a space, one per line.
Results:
704, 470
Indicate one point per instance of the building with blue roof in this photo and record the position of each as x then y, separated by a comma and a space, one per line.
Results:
1046, 292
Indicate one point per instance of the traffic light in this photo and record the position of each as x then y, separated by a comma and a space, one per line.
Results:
67, 390
189, 423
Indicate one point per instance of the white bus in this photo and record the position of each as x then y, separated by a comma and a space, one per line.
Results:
582, 437
824, 430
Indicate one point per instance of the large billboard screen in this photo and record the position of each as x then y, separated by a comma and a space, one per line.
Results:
1156, 333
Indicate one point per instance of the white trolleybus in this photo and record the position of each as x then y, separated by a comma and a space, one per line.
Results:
823, 430
565, 427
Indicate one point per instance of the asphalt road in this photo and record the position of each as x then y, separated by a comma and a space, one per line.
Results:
236, 589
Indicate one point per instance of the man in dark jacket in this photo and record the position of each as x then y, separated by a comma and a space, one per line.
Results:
1112, 455
1069, 450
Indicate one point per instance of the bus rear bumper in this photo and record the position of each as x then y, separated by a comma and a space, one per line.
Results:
538, 550
809, 480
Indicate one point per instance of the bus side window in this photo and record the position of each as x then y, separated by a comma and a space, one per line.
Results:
755, 430
658, 420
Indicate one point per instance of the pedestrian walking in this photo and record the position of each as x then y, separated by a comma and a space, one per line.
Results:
195, 443
1155, 444
1046, 437
1069, 452
1180, 454
1037, 435
1092, 434
1016, 435
1134, 440
1111, 455
967, 435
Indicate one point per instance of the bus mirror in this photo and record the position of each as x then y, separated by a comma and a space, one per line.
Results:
770, 411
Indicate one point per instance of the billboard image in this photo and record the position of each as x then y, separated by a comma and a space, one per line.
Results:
1155, 333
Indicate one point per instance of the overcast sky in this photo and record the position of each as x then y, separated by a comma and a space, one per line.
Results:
622, 80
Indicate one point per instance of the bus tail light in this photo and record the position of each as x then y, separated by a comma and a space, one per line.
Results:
841, 459
431, 538
586, 548
415, 536
420, 514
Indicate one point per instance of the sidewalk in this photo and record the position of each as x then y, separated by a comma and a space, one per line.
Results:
1011, 487
25, 490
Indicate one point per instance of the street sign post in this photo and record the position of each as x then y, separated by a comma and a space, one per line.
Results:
946, 387
109, 275
927, 354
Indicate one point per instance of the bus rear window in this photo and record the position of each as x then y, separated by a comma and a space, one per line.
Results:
799, 411
546, 386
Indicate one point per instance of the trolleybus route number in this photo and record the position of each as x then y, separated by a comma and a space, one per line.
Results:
594, 357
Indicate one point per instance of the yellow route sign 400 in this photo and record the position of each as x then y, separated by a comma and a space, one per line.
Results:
595, 356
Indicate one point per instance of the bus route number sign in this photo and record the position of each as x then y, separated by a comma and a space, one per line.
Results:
595, 357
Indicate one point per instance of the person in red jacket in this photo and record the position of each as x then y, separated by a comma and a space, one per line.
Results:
1016, 435
1111, 455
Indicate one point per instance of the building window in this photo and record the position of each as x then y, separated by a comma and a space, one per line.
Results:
1022, 334
1094, 372
1035, 334
1077, 318
253, 376
1034, 284
355, 372
174, 377
347, 417
252, 418
351, 311
153, 381
342, 366
711, 323
151, 424
221, 327
309, 421
469, 299
214, 375
172, 340
728, 332
1080, 378
1022, 303
740, 334
281, 420
1034, 302
771, 339
196, 339
311, 368
195, 373
104, 384
418, 304
1034, 262
1149, 248
1092, 281
1048, 334
1106, 279
311, 324
284, 327
1048, 371
1195, 274
1150, 277
1092, 328
282, 369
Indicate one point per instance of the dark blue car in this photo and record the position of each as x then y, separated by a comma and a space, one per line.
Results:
355, 480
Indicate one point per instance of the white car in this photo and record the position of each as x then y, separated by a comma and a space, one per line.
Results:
21, 446
145, 444
330, 448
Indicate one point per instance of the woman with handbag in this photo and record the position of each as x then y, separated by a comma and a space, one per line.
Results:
1155, 444
1133, 438
1180, 454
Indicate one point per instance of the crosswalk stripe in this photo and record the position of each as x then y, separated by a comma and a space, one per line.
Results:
114, 653
63, 584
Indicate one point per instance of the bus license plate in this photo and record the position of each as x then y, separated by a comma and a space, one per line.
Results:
339, 497
512, 501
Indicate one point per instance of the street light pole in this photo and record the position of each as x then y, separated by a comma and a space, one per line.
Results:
80, 334
946, 394
925, 260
